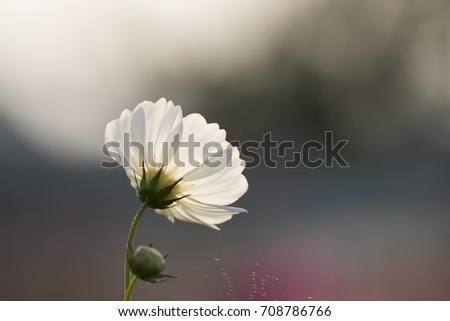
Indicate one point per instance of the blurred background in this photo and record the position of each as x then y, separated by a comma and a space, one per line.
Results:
374, 72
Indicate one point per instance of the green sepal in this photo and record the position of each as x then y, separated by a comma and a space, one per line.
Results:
166, 203
160, 278
148, 191
155, 180
164, 192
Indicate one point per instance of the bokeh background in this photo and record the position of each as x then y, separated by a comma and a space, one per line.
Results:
374, 72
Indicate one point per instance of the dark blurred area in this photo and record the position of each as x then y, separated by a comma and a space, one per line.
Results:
373, 72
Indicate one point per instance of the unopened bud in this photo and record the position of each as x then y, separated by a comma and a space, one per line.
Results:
147, 263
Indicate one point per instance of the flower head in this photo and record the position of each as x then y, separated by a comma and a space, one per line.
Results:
182, 167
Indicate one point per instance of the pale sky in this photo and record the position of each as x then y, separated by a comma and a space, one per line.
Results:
68, 68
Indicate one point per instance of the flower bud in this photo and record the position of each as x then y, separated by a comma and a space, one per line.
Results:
147, 263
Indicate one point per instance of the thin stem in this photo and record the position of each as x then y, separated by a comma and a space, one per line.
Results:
131, 288
130, 241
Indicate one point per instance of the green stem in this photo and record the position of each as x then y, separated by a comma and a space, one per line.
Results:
131, 288
129, 246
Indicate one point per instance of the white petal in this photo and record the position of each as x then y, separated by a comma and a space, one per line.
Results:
176, 212
191, 210
115, 132
217, 165
166, 213
217, 187
138, 126
170, 128
164, 121
220, 192
209, 213
204, 135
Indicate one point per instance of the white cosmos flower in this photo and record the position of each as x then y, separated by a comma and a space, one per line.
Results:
191, 184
